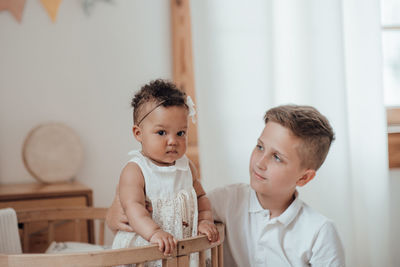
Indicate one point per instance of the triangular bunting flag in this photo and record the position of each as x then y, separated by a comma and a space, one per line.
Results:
88, 5
15, 7
51, 7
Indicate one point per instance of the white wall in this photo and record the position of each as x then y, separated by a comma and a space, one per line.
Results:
232, 66
81, 71
395, 215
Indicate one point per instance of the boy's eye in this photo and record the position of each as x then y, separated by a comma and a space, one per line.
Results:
277, 158
259, 147
161, 132
181, 133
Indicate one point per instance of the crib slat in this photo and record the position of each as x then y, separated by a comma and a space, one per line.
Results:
26, 236
77, 229
183, 261
221, 255
50, 236
101, 232
202, 258
214, 257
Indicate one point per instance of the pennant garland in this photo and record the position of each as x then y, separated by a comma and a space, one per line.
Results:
88, 5
15, 7
51, 7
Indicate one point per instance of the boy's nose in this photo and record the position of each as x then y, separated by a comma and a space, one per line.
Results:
261, 163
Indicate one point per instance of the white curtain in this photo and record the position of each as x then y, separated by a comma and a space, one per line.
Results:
251, 56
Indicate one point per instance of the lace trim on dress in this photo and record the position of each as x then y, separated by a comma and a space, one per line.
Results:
178, 215
180, 164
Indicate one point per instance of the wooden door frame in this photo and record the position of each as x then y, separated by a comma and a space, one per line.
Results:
183, 73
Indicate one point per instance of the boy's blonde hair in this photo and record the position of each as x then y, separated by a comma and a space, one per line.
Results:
310, 126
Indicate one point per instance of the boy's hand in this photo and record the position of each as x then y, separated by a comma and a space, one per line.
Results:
116, 218
166, 242
209, 229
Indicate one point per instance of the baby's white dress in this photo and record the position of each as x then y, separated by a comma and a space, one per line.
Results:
169, 189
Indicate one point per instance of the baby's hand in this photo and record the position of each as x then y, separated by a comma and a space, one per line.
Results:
166, 242
209, 229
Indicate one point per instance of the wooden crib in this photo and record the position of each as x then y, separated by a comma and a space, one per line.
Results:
107, 257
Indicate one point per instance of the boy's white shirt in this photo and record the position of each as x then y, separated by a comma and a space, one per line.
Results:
300, 236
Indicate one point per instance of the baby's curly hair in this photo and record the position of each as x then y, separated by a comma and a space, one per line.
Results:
157, 91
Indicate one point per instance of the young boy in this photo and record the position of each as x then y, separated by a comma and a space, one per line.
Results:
266, 222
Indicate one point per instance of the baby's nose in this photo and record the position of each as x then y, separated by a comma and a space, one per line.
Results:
172, 140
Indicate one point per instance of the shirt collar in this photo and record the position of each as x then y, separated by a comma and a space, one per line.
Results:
254, 204
286, 217
292, 211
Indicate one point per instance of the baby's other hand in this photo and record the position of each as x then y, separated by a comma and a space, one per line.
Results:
166, 242
209, 229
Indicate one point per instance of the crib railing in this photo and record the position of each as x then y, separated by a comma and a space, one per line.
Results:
80, 217
138, 255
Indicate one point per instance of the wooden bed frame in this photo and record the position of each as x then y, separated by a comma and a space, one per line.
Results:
108, 257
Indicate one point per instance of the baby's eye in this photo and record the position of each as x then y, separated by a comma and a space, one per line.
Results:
259, 147
161, 132
277, 158
181, 133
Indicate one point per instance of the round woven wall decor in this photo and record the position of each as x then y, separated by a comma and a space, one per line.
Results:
52, 153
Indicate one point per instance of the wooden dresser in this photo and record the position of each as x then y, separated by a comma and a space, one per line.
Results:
37, 195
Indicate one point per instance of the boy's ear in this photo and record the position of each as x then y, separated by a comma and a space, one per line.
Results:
307, 176
137, 133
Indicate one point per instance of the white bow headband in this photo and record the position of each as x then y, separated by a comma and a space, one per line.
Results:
189, 103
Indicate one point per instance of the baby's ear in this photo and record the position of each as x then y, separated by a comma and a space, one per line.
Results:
307, 176
137, 133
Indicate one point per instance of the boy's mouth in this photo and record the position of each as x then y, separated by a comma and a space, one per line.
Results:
259, 177
172, 152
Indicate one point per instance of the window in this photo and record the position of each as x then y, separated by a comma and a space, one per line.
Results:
391, 75
391, 51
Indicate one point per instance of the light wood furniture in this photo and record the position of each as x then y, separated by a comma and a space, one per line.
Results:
138, 255
77, 215
394, 150
393, 120
183, 72
393, 116
37, 195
